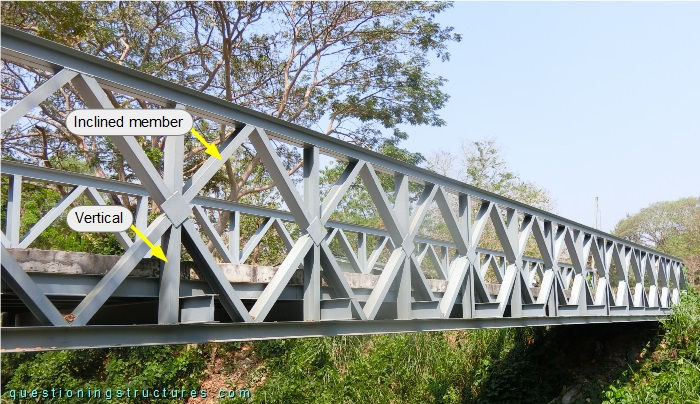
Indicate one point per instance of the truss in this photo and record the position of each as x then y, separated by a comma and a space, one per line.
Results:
572, 282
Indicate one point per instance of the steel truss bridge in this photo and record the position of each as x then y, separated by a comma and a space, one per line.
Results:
582, 275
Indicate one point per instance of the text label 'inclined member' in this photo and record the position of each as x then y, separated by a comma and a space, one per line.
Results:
129, 122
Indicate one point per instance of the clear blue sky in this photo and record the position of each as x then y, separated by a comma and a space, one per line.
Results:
584, 99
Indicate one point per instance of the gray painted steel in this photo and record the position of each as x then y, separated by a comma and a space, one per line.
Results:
33, 51
22, 339
401, 300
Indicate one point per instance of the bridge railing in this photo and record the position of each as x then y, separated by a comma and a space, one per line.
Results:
354, 254
580, 272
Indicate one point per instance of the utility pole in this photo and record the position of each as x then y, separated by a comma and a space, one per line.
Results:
596, 214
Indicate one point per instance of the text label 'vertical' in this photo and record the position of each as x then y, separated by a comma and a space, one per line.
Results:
129, 122
99, 219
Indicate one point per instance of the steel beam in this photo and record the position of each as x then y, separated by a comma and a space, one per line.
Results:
116, 275
287, 268
210, 231
30, 172
27, 290
14, 206
209, 269
312, 260
169, 293
36, 97
51, 216
234, 236
401, 210
24, 339
401, 279
169, 286
121, 236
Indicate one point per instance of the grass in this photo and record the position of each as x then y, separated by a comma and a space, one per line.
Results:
671, 373
615, 363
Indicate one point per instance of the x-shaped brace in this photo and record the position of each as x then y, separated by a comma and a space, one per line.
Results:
402, 237
176, 207
313, 224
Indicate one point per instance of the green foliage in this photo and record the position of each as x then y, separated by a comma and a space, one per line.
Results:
481, 164
170, 367
39, 199
360, 69
482, 366
67, 22
405, 368
357, 206
672, 374
164, 366
672, 227
588, 363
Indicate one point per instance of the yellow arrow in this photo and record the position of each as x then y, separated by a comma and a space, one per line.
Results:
211, 147
155, 249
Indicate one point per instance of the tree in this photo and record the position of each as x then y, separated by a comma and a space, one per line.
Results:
672, 227
353, 70
359, 69
480, 164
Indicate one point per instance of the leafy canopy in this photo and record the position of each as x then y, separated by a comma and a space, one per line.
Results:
672, 227
356, 70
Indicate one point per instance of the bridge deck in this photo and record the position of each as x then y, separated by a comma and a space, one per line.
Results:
67, 277
329, 281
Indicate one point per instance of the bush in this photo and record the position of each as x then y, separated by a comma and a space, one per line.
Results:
436, 367
672, 374
175, 367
